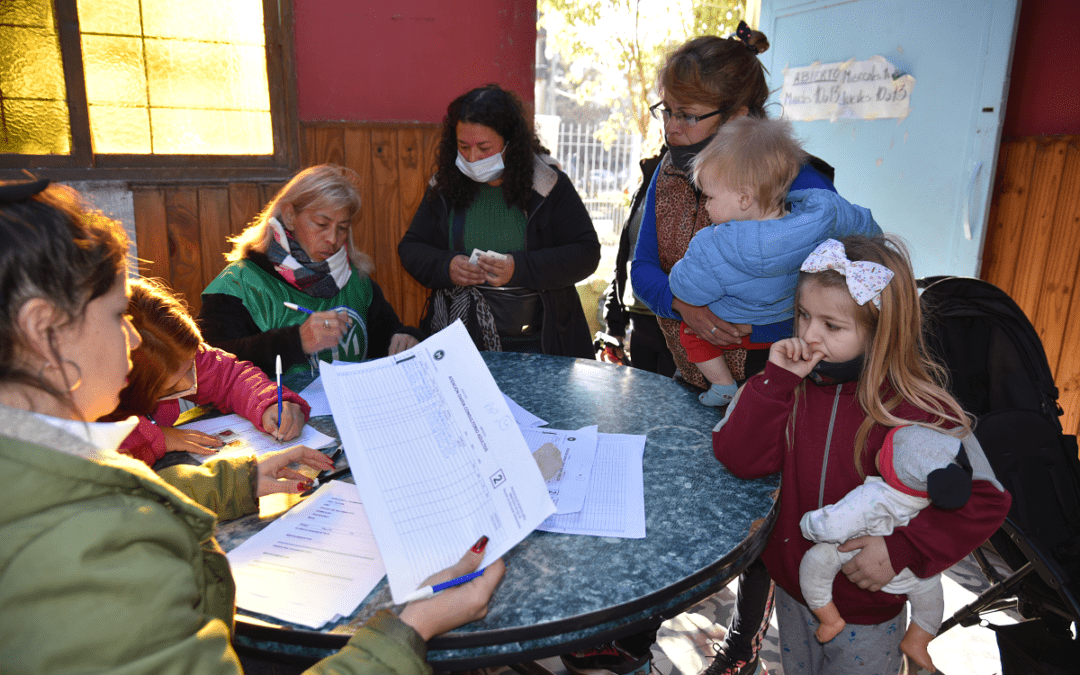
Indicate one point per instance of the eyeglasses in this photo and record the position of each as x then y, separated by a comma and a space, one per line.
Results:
690, 121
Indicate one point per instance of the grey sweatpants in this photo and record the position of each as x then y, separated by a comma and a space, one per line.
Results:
862, 649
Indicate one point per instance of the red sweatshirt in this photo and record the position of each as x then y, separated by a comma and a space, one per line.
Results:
225, 382
752, 443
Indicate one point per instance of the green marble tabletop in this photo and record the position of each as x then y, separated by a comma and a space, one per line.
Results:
563, 592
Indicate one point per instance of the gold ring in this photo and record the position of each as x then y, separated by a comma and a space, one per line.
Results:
326, 322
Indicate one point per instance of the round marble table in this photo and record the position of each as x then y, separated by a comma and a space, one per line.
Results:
563, 592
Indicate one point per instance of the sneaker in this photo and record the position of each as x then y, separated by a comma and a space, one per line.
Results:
611, 657
723, 665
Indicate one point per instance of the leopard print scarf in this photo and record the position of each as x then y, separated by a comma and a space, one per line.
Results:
680, 213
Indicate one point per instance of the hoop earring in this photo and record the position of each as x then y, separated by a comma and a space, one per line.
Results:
70, 387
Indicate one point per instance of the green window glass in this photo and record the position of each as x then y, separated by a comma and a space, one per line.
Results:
161, 77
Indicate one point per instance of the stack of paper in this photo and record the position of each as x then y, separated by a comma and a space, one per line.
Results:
313, 565
436, 455
615, 499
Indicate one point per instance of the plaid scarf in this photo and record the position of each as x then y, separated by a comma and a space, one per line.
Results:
318, 279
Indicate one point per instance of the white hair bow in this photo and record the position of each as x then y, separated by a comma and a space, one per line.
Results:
865, 280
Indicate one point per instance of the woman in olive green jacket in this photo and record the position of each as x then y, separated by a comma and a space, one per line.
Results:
105, 567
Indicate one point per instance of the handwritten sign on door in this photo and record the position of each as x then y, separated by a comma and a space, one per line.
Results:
870, 89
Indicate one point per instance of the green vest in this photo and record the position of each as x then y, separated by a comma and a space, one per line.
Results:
264, 296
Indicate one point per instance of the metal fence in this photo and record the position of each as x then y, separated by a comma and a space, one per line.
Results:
604, 175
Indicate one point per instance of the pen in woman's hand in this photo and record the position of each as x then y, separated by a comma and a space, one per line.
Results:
297, 308
425, 592
277, 367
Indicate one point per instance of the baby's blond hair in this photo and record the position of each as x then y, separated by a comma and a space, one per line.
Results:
755, 154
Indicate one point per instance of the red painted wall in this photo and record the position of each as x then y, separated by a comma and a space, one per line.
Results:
1044, 90
405, 60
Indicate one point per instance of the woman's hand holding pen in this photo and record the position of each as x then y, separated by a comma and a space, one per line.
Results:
459, 605
274, 474
323, 330
292, 421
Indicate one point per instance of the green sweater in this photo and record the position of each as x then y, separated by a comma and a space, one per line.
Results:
106, 568
264, 297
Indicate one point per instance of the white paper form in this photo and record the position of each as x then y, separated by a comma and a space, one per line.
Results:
578, 449
615, 504
315, 563
437, 456
524, 418
315, 396
242, 438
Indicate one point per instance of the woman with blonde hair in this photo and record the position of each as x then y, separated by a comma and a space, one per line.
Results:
299, 250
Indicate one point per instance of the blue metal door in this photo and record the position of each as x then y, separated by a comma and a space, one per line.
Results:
929, 176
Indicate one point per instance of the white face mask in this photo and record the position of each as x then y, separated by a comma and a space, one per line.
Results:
190, 391
482, 170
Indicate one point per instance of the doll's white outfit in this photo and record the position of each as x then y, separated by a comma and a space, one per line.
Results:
919, 466
873, 508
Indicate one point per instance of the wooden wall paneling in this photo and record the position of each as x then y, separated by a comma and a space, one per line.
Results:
332, 145
386, 188
244, 205
1008, 208
413, 170
267, 192
356, 142
1037, 226
1058, 287
214, 229
1067, 372
151, 235
308, 146
182, 216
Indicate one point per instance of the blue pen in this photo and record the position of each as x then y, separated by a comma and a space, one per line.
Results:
425, 592
297, 308
278, 368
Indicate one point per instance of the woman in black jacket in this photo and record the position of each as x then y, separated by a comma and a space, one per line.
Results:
501, 236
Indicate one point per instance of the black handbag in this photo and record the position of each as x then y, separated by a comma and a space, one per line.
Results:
518, 312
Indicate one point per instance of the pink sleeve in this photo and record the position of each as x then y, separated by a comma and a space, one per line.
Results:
235, 386
145, 442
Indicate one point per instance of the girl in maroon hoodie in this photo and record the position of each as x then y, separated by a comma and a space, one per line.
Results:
818, 412
172, 363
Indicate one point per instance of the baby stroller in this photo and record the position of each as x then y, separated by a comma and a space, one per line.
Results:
999, 373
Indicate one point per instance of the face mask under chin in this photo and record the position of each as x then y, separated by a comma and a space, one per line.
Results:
827, 373
683, 155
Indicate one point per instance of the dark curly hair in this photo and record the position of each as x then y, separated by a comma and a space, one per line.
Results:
501, 111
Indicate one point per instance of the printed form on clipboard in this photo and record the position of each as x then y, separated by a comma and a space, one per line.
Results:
436, 455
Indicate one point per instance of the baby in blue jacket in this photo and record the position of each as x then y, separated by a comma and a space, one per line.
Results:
744, 267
